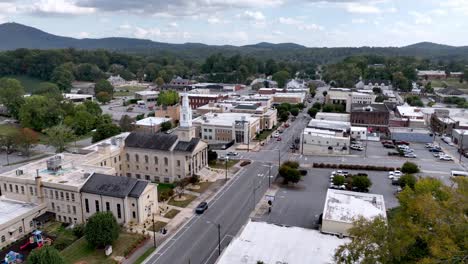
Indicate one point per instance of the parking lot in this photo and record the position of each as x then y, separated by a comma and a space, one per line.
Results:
301, 205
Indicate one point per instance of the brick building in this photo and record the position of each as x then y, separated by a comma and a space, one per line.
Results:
374, 116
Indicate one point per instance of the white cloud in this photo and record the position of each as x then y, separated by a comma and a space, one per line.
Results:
311, 27
213, 20
358, 21
83, 35
60, 7
254, 15
421, 18
173, 24
125, 26
289, 21
361, 8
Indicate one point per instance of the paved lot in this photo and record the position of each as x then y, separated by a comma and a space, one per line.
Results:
302, 204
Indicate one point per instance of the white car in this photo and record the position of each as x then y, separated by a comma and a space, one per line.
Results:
356, 147
402, 147
410, 155
394, 174
339, 187
339, 172
429, 145
275, 135
445, 157
438, 154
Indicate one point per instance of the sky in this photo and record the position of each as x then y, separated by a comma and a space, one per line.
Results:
312, 23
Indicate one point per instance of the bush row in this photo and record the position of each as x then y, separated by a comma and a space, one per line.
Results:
354, 167
136, 244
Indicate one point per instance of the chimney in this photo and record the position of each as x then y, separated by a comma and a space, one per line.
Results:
38, 181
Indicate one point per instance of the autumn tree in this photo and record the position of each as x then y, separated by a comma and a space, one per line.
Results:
429, 226
103, 97
27, 139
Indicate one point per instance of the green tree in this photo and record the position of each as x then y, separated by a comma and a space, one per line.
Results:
377, 90
105, 129
102, 229
407, 180
63, 78
50, 90
312, 112
361, 183
312, 88
401, 82
159, 81
88, 72
92, 108
324, 93
39, 112
212, 156
126, 123
339, 180
294, 111
58, 137
428, 88
27, 139
8, 141
83, 122
317, 105
281, 78
290, 173
165, 126
103, 86
283, 116
429, 226
168, 98
409, 168
103, 97
11, 95
414, 100
45, 255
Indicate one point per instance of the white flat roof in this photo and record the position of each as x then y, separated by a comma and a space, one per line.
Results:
10, 209
147, 93
270, 243
288, 95
406, 110
77, 96
152, 121
223, 119
347, 206
204, 95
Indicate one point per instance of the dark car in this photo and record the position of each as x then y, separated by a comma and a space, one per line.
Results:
202, 207
401, 142
389, 146
435, 150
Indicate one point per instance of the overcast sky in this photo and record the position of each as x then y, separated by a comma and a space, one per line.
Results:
238, 22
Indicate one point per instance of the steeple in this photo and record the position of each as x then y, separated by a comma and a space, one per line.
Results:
186, 112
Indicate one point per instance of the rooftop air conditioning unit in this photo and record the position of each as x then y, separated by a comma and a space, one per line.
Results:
19, 172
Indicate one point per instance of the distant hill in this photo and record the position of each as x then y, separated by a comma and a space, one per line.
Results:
14, 36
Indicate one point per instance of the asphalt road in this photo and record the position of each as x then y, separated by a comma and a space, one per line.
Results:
197, 241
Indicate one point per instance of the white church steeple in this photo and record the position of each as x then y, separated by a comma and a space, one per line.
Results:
185, 112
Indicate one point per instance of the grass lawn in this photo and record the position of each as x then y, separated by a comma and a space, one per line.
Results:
222, 165
30, 84
264, 134
451, 82
171, 214
184, 203
80, 251
165, 186
128, 90
203, 187
158, 225
7, 129
62, 237
145, 255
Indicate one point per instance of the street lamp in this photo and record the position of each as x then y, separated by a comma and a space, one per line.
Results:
226, 162
219, 235
154, 232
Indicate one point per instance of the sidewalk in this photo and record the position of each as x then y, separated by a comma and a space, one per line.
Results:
182, 217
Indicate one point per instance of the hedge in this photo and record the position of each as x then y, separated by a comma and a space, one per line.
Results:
354, 167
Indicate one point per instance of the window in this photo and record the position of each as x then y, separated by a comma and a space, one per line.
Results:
138, 176
137, 158
60, 218
107, 206
5, 187
86, 205
134, 214
166, 180
68, 209
31, 223
166, 161
147, 177
127, 156
74, 210
61, 196
3, 239
156, 179
119, 213
115, 159
156, 160
129, 174
137, 167
178, 163
56, 195
53, 206
51, 194
58, 208
16, 189
20, 229
73, 197
146, 159
31, 190
97, 205
11, 188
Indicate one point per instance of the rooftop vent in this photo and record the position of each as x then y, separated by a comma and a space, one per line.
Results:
19, 172
54, 163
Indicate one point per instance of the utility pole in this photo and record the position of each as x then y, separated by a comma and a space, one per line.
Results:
226, 162
269, 176
219, 239
279, 157
154, 233
460, 149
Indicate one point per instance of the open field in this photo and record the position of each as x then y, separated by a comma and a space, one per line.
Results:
127, 90
451, 82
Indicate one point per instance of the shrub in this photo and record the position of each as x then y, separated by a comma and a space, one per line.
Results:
78, 230
407, 180
361, 183
338, 180
409, 168
291, 164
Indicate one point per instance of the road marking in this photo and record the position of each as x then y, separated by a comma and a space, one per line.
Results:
216, 248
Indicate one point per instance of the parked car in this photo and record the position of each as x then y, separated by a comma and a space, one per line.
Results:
401, 142
435, 150
429, 145
356, 147
231, 153
394, 174
275, 135
201, 208
278, 139
438, 154
445, 158
339, 187
410, 155
222, 158
386, 142
389, 146
339, 172
286, 125
396, 181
